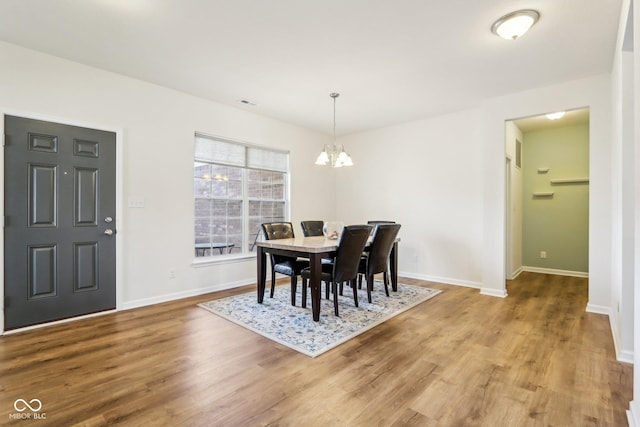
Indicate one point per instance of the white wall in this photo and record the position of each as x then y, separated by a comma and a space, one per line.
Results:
593, 92
427, 175
634, 407
623, 209
156, 127
443, 178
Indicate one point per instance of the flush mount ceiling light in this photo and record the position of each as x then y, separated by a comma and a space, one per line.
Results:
515, 24
555, 116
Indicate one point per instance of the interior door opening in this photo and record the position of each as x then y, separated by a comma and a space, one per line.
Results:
547, 194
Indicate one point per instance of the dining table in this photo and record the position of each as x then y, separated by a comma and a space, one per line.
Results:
315, 248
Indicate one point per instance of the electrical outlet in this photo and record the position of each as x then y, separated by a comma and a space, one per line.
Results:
172, 274
543, 254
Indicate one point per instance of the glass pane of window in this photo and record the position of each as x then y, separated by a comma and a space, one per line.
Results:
202, 180
232, 199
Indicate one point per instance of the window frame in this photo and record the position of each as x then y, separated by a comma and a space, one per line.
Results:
246, 199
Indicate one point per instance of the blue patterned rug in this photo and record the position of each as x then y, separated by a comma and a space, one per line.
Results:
294, 327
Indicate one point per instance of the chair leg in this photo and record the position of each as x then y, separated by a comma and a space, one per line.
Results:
273, 282
341, 287
326, 291
386, 284
355, 292
335, 297
304, 292
359, 281
294, 289
369, 287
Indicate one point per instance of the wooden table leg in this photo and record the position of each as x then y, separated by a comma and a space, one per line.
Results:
393, 261
315, 264
261, 262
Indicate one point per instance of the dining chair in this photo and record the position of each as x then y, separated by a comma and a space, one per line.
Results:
312, 228
288, 266
345, 266
375, 223
376, 259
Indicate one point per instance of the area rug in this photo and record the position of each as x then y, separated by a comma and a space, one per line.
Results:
294, 327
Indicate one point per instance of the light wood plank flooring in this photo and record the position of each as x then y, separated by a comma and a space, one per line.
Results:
460, 359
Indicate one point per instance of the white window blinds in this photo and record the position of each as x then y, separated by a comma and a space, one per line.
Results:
210, 149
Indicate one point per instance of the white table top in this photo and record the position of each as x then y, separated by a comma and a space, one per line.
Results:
312, 244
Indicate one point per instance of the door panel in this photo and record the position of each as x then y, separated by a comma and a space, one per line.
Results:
86, 197
42, 195
85, 264
59, 188
42, 271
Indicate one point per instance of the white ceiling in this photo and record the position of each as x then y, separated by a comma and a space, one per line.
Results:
571, 118
391, 61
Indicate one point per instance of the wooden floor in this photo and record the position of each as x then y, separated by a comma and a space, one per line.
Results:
460, 359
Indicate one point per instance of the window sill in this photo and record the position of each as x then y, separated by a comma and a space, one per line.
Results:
229, 259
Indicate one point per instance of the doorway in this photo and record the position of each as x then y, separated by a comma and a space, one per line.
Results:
547, 227
60, 206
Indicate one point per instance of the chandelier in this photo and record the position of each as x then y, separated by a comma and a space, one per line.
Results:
334, 154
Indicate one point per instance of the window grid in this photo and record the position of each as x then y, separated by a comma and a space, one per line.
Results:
232, 201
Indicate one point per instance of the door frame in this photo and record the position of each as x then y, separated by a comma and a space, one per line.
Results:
508, 220
119, 223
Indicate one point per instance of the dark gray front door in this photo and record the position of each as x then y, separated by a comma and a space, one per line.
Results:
60, 200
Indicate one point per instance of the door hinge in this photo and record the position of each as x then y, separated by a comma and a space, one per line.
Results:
4, 137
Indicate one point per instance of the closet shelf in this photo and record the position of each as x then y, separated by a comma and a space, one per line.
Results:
570, 181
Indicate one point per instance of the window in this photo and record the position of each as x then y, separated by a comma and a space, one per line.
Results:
237, 187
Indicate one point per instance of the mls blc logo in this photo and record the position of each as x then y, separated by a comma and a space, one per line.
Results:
33, 406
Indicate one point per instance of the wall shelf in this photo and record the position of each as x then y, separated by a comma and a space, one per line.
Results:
570, 181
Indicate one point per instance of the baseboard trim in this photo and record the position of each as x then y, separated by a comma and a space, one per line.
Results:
556, 272
184, 294
499, 293
626, 357
514, 275
444, 280
492, 292
598, 309
633, 414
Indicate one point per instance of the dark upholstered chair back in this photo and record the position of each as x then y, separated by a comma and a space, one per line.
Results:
278, 230
312, 228
352, 242
383, 238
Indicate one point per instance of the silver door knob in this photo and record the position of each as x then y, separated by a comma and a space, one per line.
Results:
108, 232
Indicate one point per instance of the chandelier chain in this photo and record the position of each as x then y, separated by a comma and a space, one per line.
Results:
334, 95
